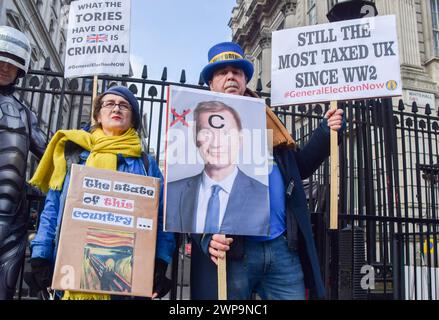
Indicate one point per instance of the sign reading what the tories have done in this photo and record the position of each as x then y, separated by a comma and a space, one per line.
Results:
344, 60
98, 38
108, 233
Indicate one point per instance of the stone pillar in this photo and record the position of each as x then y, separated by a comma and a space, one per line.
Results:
2, 13
289, 10
322, 10
265, 45
427, 29
407, 28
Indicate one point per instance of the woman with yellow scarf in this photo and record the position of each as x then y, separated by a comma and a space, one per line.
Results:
113, 143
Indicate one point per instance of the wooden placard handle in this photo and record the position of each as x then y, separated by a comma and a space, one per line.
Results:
95, 93
334, 176
222, 277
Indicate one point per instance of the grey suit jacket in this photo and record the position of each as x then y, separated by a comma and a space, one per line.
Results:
247, 211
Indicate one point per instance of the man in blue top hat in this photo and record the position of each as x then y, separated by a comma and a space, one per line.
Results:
284, 263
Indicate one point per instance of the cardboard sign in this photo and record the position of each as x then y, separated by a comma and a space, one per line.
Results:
216, 140
108, 233
345, 60
98, 38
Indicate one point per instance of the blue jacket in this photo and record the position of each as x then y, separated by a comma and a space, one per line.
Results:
45, 243
299, 164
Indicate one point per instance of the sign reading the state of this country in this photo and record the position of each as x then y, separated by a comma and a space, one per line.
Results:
98, 38
344, 60
108, 233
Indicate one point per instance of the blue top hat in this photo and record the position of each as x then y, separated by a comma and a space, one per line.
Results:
226, 54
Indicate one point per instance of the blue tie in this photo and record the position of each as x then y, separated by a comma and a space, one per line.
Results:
213, 209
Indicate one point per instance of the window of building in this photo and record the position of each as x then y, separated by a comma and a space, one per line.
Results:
259, 64
435, 19
281, 26
33, 58
332, 3
39, 4
54, 8
61, 49
51, 26
311, 12
13, 19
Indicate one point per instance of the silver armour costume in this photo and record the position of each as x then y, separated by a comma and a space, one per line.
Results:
19, 134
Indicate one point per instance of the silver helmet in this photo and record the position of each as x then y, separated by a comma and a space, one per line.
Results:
15, 49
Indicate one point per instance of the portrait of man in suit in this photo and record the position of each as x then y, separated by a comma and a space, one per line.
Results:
221, 198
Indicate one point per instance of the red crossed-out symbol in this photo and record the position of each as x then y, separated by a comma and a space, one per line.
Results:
180, 117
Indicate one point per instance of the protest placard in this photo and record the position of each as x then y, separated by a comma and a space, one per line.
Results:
215, 139
345, 60
216, 166
108, 233
98, 38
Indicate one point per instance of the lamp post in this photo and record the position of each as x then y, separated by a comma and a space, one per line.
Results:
354, 9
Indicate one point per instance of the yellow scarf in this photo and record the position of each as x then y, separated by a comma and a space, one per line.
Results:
69, 295
103, 149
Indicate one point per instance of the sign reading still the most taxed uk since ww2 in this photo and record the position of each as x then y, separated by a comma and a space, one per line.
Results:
344, 60
98, 38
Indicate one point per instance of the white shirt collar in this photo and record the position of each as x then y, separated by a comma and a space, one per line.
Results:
226, 184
